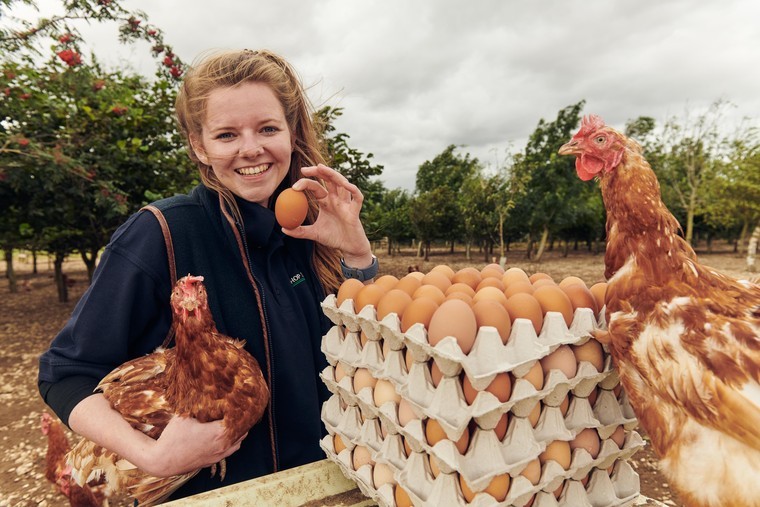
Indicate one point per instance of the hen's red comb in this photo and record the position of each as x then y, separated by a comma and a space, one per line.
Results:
590, 123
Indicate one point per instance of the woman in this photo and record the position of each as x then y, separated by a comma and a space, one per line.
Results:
248, 126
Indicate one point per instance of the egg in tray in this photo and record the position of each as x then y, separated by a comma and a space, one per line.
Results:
476, 388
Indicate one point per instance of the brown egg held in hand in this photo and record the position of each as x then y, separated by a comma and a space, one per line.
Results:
291, 208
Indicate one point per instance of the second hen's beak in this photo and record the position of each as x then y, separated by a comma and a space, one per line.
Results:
570, 148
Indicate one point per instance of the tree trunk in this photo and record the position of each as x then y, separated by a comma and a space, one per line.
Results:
566, 252
90, 259
452, 246
739, 248
529, 248
390, 247
752, 249
468, 250
427, 250
690, 220
10, 274
542, 245
34, 262
60, 279
420, 247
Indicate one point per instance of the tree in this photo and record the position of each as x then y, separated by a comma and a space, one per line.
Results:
552, 193
392, 218
433, 215
482, 199
350, 162
87, 146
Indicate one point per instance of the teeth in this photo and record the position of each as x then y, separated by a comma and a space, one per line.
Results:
250, 171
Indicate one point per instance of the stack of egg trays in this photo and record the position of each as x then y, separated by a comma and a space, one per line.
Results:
486, 456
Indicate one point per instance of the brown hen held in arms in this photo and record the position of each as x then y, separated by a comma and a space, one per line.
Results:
148, 391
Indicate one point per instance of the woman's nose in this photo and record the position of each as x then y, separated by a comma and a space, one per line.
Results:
250, 146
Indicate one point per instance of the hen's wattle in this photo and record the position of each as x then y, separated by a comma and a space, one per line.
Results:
206, 375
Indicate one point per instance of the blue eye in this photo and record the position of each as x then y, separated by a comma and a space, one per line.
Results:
224, 135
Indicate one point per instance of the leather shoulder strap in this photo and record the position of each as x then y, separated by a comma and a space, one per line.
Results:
170, 254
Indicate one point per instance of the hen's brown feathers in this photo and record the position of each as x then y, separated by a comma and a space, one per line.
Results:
207, 376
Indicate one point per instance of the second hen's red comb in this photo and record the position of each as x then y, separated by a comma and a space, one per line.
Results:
590, 123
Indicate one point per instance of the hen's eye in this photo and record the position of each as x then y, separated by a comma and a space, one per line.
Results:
599, 139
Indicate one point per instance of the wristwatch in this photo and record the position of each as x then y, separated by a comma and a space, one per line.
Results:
363, 274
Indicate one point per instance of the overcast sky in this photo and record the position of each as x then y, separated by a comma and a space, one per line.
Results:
416, 76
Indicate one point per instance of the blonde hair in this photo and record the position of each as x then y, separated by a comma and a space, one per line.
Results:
231, 68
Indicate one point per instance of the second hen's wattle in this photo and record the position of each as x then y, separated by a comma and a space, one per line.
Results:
685, 338
206, 375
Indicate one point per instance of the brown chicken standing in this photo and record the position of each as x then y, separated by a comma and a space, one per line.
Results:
685, 338
206, 375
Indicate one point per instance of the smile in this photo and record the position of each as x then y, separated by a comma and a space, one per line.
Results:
252, 171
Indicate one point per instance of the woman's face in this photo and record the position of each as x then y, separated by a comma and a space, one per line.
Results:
246, 140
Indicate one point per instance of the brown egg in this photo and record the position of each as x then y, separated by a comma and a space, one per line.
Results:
532, 471
401, 497
340, 371
453, 318
539, 276
408, 359
407, 447
491, 281
469, 276
592, 396
369, 295
437, 278
385, 392
495, 267
348, 290
558, 491
430, 292
592, 352
418, 275
525, 306
587, 439
405, 412
541, 282
387, 282
535, 414
460, 296
447, 270
561, 359
599, 290
435, 469
460, 287
363, 338
492, 313
382, 474
513, 275
434, 433
361, 456
420, 310
618, 436
497, 488
559, 451
518, 287
500, 386
501, 426
581, 297
363, 378
435, 373
553, 299
409, 284
394, 301
338, 444
490, 293
290, 208
535, 376
491, 272
571, 280
564, 405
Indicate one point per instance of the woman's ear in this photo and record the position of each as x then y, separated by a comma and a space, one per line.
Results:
197, 147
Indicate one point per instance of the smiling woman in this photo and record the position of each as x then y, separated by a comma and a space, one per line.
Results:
246, 119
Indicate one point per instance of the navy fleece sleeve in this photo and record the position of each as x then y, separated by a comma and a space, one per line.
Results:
123, 314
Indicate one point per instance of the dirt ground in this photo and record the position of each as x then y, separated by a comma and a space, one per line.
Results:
31, 318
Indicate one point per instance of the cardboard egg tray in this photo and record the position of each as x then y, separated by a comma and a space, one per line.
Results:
358, 421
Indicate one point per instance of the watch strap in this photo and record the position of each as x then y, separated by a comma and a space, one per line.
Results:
362, 274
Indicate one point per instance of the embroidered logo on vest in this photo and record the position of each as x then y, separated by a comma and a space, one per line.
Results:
297, 279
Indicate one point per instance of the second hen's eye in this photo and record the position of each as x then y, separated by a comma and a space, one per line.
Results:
600, 139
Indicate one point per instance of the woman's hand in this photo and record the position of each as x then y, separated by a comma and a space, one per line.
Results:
337, 224
187, 444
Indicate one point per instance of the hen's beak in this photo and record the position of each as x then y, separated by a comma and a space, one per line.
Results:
569, 148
